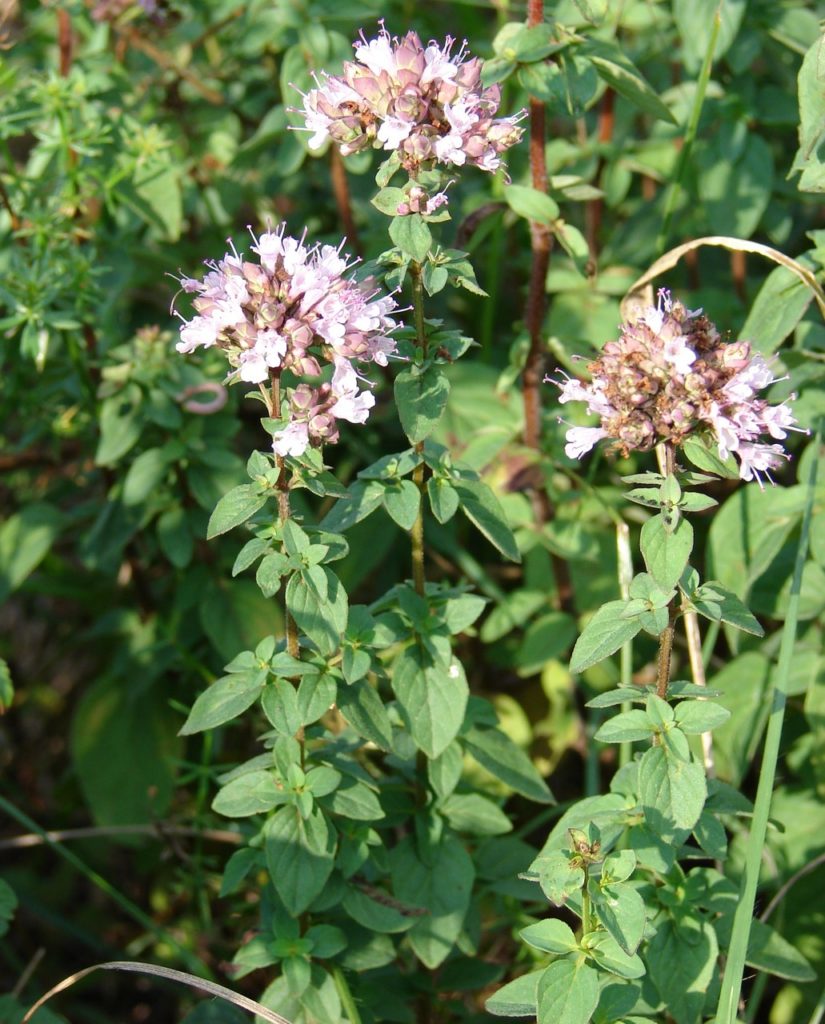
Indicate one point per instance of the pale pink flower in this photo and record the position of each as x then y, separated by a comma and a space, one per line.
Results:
426, 104
292, 310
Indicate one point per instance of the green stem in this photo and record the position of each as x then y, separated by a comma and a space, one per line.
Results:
666, 457
690, 132
125, 904
625, 558
346, 996
422, 343
272, 398
586, 920
819, 1010
735, 966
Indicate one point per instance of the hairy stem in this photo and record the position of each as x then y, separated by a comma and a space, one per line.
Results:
417, 532
665, 651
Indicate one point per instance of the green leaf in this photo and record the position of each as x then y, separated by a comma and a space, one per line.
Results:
496, 752
558, 878
412, 235
355, 800
623, 76
431, 698
768, 951
603, 635
6, 687
443, 498
145, 474
318, 602
376, 915
475, 814
517, 998
568, 993
253, 792
364, 497
237, 868
681, 963
234, 508
609, 955
280, 705
443, 885
316, 695
736, 183
364, 710
158, 188
551, 936
671, 791
8, 905
778, 307
387, 200
300, 855
531, 203
237, 617
175, 537
481, 507
748, 532
809, 156
665, 551
621, 910
444, 771
402, 500
111, 718
698, 716
271, 569
706, 458
627, 727
421, 396
224, 700
120, 425
694, 20
721, 605
25, 540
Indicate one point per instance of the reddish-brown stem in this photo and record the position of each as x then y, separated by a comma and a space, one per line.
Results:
64, 40
593, 210
4, 199
738, 273
540, 242
340, 189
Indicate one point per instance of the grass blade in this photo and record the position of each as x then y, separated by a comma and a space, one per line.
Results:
734, 968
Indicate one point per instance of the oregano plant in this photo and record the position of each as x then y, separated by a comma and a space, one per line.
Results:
641, 868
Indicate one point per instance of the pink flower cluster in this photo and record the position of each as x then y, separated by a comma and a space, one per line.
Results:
424, 102
670, 375
293, 309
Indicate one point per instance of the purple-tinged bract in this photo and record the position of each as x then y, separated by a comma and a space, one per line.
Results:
670, 375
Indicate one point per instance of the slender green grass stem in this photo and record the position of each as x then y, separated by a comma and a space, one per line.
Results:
625, 558
417, 532
734, 968
819, 1010
346, 996
125, 904
690, 134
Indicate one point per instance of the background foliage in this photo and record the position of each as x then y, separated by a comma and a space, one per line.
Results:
133, 141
